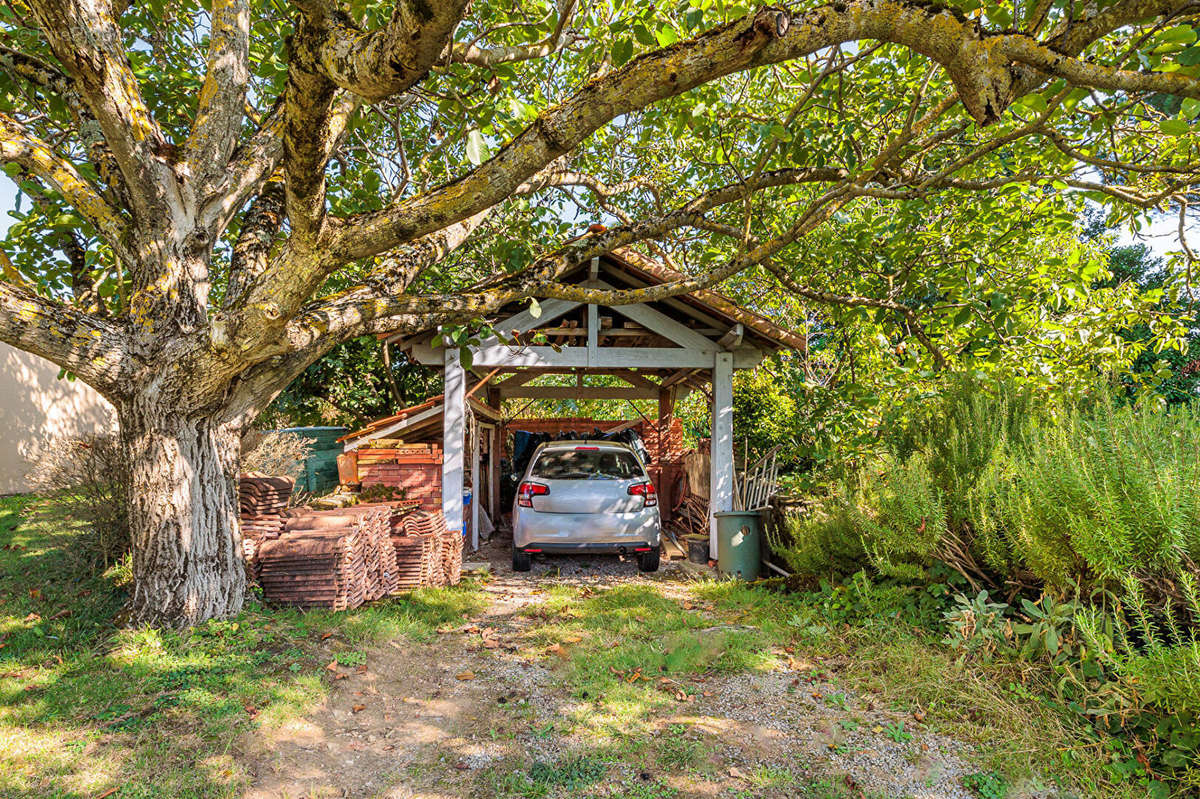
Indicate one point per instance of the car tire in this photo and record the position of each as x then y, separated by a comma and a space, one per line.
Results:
648, 561
522, 561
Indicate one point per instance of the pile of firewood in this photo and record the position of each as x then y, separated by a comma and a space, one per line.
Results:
691, 515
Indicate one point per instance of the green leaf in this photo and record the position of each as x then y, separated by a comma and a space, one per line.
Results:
643, 35
1174, 127
666, 36
622, 51
476, 148
535, 308
1190, 108
1034, 102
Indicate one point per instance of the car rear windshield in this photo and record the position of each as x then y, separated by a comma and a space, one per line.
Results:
586, 464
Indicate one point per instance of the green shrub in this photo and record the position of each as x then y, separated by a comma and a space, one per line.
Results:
824, 542
1106, 492
902, 521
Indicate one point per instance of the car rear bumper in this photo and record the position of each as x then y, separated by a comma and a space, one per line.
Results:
585, 532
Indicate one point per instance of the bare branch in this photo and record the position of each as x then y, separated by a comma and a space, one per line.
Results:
472, 53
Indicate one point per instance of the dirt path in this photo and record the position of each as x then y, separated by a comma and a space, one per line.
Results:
471, 714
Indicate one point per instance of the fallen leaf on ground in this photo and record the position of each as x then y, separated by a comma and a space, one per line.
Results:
107, 793
465, 675
340, 676
555, 649
573, 639
358, 708
332, 665
361, 669
326, 636
736, 773
62, 614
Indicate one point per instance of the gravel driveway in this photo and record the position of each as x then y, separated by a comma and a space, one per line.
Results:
472, 714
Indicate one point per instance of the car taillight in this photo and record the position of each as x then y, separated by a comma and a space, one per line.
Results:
645, 491
528, 490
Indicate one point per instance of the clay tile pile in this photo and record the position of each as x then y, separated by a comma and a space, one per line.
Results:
261, 503
260, 495
319, 569
366, 528
425, 553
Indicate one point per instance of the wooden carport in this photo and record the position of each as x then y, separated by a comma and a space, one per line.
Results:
657, 350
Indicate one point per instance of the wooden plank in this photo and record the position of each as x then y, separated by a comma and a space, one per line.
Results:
494, 474
496, 354
579, 392
662, 324
526, 321
404, 424
476, 494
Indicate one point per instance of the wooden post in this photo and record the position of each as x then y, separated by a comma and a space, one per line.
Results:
497, 442
720, 487
453, 415
476, 492
666, 412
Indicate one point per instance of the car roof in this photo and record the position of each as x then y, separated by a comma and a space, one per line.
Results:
571, 443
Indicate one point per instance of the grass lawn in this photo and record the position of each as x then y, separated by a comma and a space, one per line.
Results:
91, 710
86, 708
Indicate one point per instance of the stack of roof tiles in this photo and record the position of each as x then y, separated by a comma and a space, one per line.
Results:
426, 553
261, 503
336, 559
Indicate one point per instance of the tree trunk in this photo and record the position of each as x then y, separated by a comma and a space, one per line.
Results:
183, 514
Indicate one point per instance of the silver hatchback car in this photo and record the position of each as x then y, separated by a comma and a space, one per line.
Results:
586, 496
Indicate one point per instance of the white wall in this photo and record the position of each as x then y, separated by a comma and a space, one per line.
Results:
34, 405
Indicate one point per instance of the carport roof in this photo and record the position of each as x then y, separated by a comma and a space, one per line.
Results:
635, 270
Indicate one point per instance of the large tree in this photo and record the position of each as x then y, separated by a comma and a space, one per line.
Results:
223, 191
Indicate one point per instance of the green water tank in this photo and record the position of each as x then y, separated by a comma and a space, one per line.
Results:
320, 465
739, 543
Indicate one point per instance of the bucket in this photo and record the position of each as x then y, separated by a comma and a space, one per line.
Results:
739, 543
697, 549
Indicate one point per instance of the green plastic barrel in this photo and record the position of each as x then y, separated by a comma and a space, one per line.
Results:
739, 543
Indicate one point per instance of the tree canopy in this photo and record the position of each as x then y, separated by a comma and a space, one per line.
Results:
219, 193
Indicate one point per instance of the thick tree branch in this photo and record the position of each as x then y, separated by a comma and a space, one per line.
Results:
95, 349
20, 147
263, 221
52, 81
218, 117
249, 166
378, 64
978, 63
87, 40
